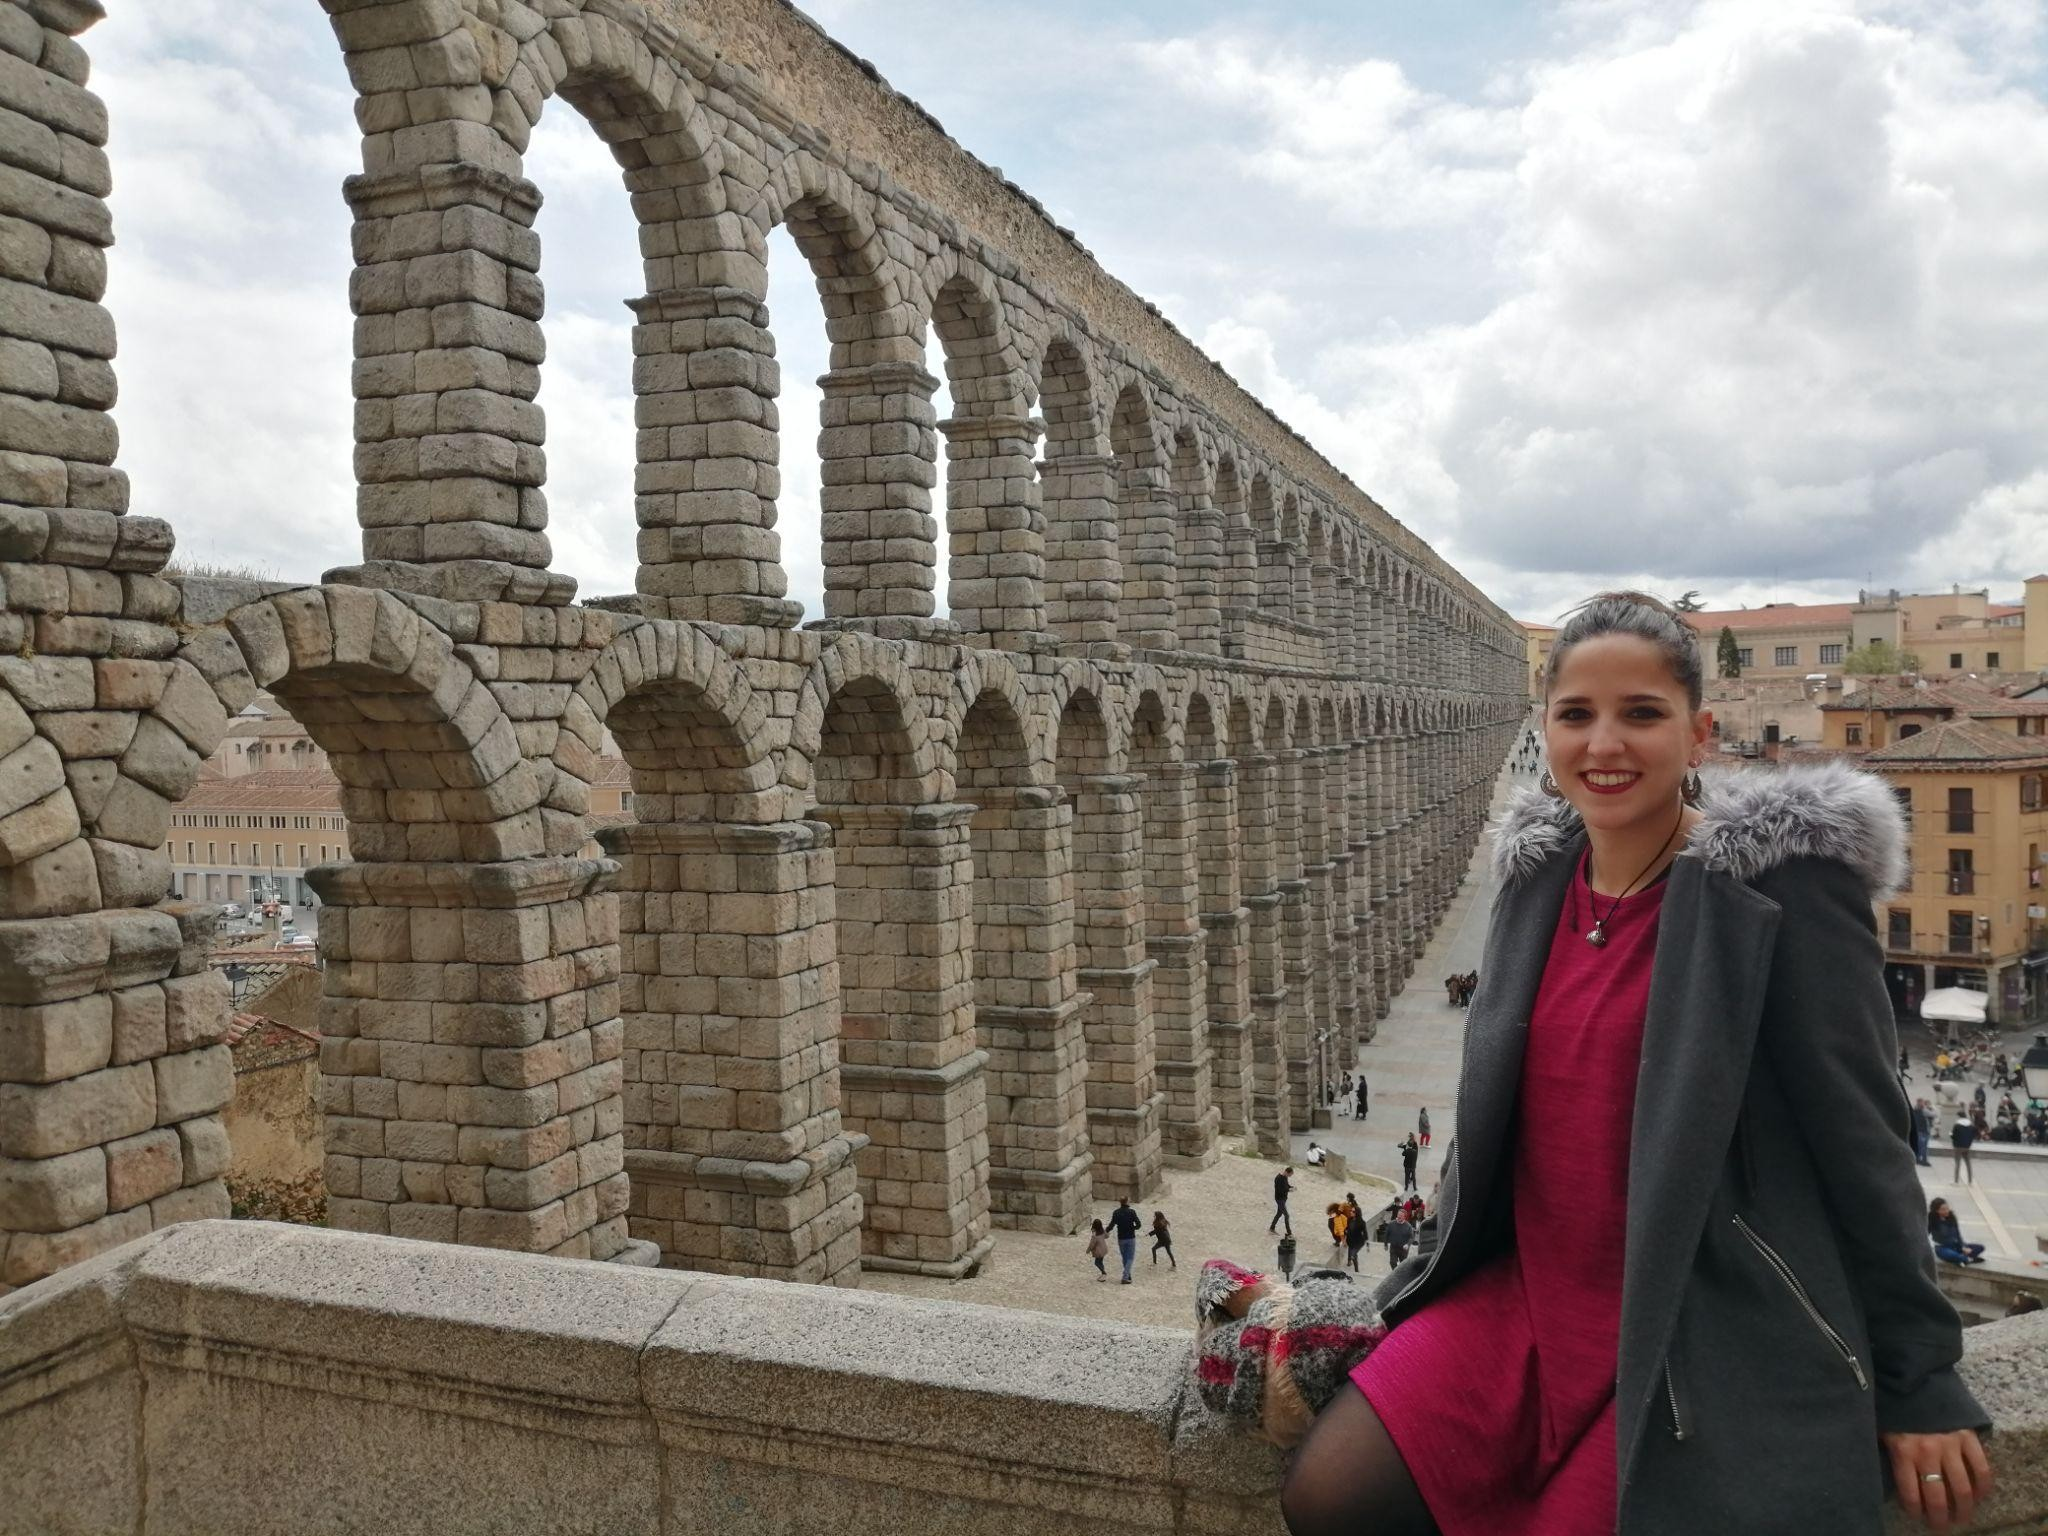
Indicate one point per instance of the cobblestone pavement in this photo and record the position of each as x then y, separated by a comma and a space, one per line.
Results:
1218, 1213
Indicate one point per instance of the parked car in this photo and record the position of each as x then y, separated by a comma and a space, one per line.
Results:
300, 941
284, 911
231, 909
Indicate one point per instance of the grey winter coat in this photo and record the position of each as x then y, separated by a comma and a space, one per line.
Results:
1779, 1305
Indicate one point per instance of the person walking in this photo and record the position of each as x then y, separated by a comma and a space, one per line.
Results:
1361, 1096
1777, 1335
1283, 1182
1961, 1137
1399, 1236
1125, 1223
1162, 1239
1411, 1153
1946, 1233
1355, 1233
1923, 1131
1338, 1217
1098, 1249
1422, 1125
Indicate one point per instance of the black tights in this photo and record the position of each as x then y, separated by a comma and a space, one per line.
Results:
1348, 1480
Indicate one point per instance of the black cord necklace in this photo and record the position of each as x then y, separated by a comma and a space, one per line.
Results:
1598, 936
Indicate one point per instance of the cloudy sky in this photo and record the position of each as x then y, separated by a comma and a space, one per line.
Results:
1743, 296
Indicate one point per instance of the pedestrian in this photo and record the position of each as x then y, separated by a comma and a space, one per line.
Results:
1600, 1116
1399, 1236
1946, 1233
1316, 1155
1471, 986
1162, 1239
1411, 1153
1422, 1125
1354, 1230
1283, 1181
1125, 1223
1923, 1131
1337, 1218
1361, 1096
1451, 984
1905, 1063
1098, 1249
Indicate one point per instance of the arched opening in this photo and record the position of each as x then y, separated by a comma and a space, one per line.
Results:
1077, 482
993, 580
1123, 1098
1145, 531
1028, 1015
911, 1075
1225, 935
1198, 547
1173, 937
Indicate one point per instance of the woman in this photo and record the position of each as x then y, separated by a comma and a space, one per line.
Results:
1340, 1219
1422, 1126
1946, 1233
1098, 1250
1354, 1230
1743, 1332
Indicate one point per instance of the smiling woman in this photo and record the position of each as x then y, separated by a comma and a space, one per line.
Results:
1612, 1295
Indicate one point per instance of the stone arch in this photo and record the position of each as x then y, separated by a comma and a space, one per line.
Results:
1198, 545
1077, 483
430, 766
687, 721
877, 677
1145, 523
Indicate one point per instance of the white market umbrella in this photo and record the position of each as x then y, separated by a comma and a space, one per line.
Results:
1954, 1005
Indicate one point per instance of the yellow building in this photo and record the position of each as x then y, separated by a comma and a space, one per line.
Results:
1970, 767
1539, 638
1952, 633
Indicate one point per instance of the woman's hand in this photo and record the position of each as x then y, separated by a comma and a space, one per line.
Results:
1940, 1478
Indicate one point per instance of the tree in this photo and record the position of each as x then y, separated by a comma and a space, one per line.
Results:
1728, 654
1880, 658
1690, 603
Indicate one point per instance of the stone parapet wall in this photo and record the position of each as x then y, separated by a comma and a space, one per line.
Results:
421, 1389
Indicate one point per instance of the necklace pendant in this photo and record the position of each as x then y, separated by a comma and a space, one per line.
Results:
1598, 937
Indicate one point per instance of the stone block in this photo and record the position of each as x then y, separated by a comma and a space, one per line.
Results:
46, 1042
140, 1168
52, 1194
48, 1120
193, 1083
203, 1147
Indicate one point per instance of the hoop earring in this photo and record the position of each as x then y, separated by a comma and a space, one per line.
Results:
1549, 786
1690, 789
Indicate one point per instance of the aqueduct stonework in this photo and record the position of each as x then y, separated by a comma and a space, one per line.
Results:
928, 925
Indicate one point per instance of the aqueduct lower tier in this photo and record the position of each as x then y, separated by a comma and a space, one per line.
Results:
925, 926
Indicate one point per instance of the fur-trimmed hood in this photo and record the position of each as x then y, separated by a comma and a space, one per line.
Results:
1753, 819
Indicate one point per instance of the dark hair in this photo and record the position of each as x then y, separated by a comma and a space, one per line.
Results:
1641, 615
1932, 1206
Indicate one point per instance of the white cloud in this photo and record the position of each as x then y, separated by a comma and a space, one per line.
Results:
1742, 295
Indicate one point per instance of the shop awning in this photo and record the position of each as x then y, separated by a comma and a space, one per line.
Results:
1954, 1005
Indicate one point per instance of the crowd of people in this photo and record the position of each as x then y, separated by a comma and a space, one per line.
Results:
1527, 757
1459, 989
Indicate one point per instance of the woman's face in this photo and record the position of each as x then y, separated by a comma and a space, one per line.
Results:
1619, 732
1941, 1210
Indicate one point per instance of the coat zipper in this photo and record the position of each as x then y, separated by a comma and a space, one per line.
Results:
1442, 1237
1678, 1430
1784, 1273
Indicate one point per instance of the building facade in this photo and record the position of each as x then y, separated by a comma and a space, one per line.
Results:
1970, 768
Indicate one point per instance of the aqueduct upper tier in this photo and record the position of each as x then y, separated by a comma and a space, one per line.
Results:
927, 924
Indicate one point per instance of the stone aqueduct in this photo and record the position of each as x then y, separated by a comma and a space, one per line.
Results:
927, 925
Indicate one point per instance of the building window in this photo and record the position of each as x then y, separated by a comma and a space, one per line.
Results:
1898, 930
1831, 655
1955, 661
1785, 656
2030, 792
1962, 933
1745, 656
1962, 872
1905, 799
1991, 661
1855, 735
1908, 730
1962, 811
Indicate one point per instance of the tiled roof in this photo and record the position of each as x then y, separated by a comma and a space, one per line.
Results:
612, 772
271, 789
1776, 616
259, 725
1962, 741
1973, 701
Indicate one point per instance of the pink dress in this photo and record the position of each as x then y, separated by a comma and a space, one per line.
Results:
1499, 1395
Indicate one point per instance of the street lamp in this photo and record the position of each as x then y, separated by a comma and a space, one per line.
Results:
2034, 1068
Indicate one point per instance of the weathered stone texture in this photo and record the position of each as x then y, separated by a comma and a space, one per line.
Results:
923, 925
